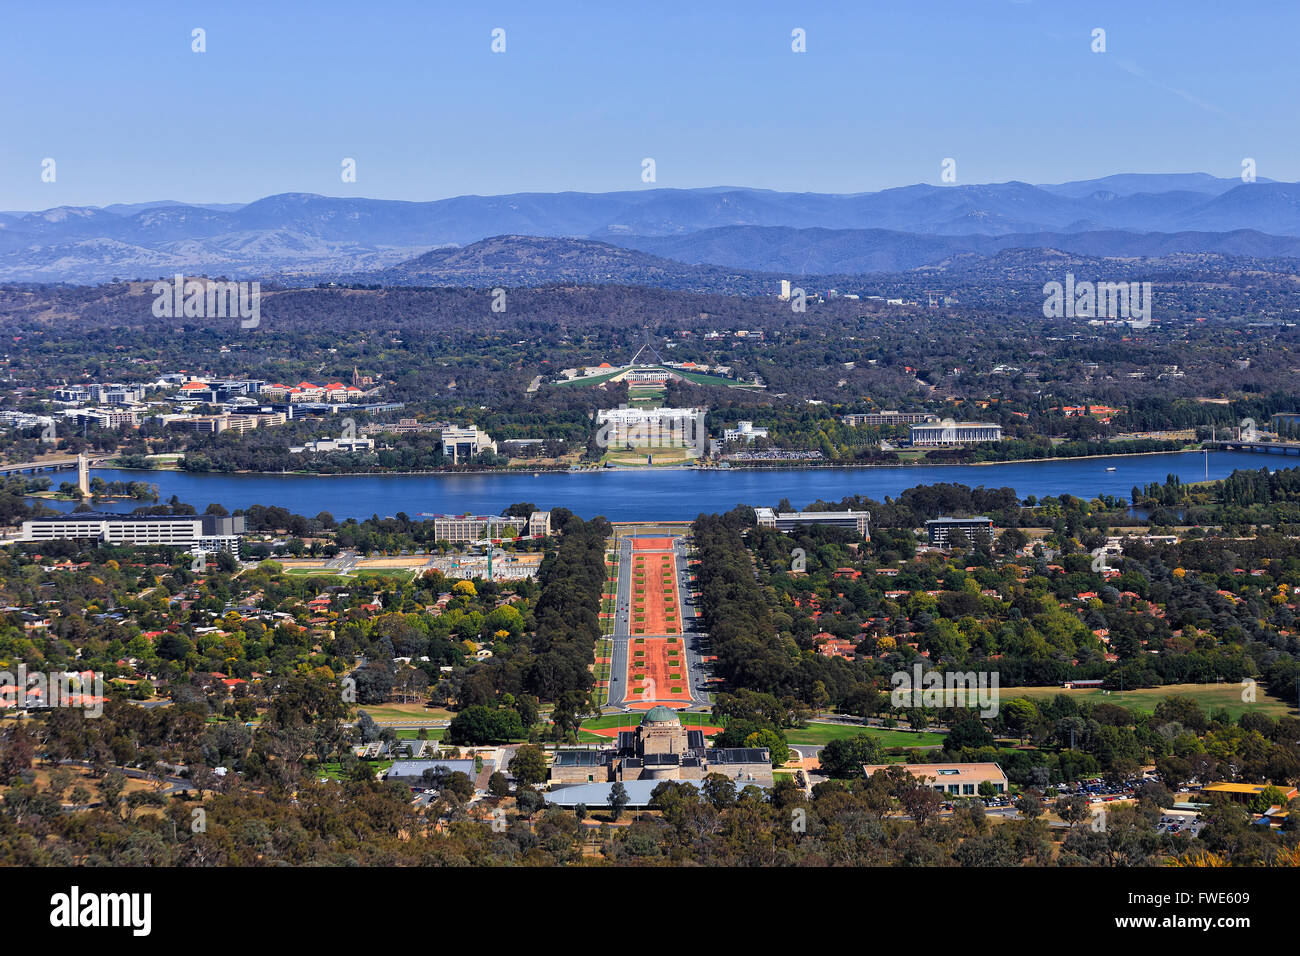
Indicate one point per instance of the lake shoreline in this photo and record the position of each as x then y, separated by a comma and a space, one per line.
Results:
652, 469
638, 494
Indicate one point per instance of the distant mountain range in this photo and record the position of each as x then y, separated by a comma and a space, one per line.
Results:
692, 234
863, 251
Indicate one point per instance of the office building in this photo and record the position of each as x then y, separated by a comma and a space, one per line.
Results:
859, 522
191, 532
462, 443
889, 418
465, 529
104, 417
950, 779
938, 530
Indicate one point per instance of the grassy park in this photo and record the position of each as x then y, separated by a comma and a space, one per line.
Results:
815, 734
1211, 697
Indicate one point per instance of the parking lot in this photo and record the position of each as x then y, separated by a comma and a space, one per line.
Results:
1180, 823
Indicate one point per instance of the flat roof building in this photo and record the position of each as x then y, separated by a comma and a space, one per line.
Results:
953, 779
411, 772
954, 433
114, 417
465, 442
595, 796
889, 418
464, 529
1245, 792
938, 530
539, 522
194, 532
859, 522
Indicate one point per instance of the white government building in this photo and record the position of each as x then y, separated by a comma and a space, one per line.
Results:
954, 433
744, 431
651, 427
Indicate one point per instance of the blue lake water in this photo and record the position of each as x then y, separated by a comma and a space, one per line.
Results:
668, 495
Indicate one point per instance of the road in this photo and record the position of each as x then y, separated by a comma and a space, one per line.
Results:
173, 784
622, 611
693, 636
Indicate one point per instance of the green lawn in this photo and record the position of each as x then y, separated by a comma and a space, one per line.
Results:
646, 397
699, 378
357, 573
413, 733
1211, 697
334, 771
825, 733
591, 380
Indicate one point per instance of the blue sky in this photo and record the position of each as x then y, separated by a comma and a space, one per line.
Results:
585, 91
